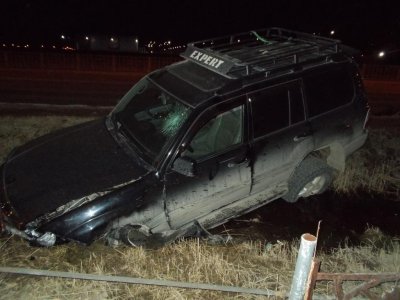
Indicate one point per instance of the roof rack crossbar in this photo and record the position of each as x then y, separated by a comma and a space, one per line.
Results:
260, 51
255, 51
290, 57
293, 49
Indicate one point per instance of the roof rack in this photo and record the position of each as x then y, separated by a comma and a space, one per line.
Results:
261, 51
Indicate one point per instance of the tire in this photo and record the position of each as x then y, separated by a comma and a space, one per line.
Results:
313, 176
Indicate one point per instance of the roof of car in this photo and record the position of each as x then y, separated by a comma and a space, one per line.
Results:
220, 64
265, 51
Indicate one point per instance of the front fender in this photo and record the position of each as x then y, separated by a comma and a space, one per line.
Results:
87, 222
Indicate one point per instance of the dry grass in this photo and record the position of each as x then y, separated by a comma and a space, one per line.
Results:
245, 264
15, 131
248, 264
377, 254
253, 264
375, 167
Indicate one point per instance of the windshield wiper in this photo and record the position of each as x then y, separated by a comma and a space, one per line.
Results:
126, 141
128, 137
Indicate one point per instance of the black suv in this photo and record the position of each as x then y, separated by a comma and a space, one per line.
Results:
243, 120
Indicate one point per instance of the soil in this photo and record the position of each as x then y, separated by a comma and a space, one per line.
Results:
345, 218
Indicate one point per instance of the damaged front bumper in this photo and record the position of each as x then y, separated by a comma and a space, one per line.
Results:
46, 239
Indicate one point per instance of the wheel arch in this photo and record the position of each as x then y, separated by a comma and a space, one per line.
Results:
333, 154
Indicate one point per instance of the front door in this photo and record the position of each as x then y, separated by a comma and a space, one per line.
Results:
223, 172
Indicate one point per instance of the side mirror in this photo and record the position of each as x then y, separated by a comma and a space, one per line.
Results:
185, 166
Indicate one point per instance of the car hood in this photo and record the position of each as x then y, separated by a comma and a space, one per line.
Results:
69, 164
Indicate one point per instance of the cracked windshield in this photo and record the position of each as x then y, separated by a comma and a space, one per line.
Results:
150, 117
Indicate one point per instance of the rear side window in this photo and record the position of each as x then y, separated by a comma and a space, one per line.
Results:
276, 108
328, 90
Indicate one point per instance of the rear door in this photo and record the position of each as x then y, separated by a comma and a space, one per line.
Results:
281, 137
329, 96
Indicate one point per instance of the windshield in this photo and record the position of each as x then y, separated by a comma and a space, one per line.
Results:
150, 117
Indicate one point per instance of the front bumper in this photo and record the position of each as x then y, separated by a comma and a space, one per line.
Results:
9, 225
46, 239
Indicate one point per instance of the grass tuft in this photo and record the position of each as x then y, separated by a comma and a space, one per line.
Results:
375, 168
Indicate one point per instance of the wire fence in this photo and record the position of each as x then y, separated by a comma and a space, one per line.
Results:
139, 63
381, 72
84, 62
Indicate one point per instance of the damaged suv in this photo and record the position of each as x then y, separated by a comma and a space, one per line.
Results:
241, 121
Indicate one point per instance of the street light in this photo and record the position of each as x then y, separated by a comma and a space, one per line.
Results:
384, 53
332, 32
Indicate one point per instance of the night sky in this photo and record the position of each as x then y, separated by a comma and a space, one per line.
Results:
365, 24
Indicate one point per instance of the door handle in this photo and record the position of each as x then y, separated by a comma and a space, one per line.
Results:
301, 137
234, 164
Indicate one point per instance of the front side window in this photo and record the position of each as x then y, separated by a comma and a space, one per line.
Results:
150, 117
218, 134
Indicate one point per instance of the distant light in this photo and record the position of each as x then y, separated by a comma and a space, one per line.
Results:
4, 45
332, 32
54, 47
12, 45
41, 46
238, 40
381, 54
136, 41
169, 42
112, 39
86, 38
63, 37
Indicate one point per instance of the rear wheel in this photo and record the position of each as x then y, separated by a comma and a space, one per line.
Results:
313, 176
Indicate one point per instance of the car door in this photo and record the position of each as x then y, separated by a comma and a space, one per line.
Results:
219, 149
282, 137
330, 93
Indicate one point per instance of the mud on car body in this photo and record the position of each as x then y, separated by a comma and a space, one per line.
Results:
242, 121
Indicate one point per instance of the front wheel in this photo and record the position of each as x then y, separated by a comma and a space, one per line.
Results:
313, 176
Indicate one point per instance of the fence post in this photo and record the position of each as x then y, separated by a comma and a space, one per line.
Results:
303, 265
